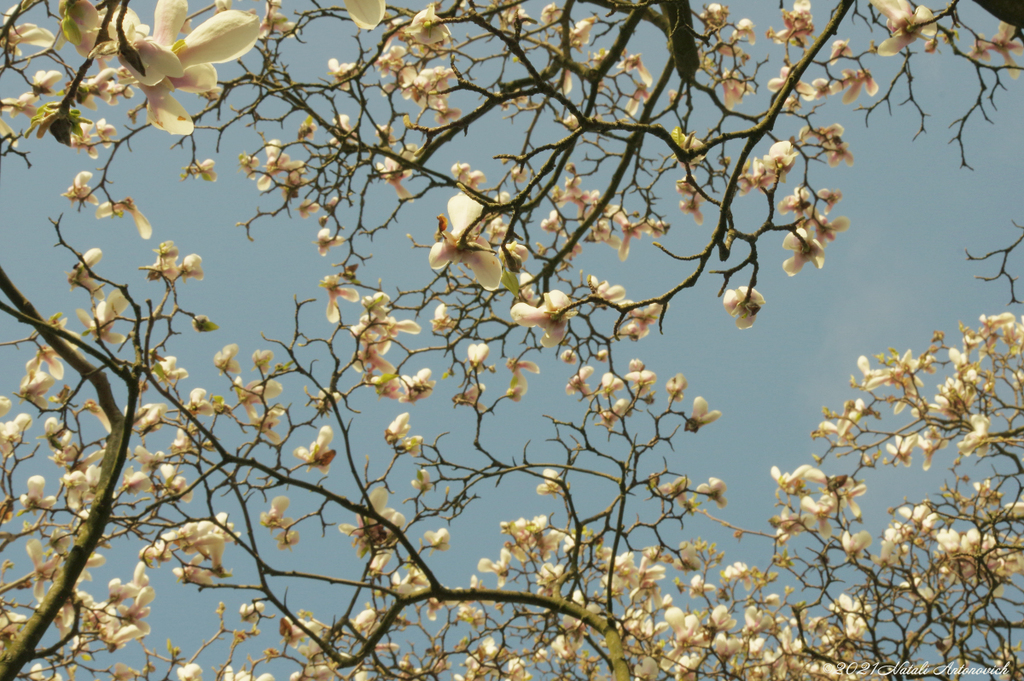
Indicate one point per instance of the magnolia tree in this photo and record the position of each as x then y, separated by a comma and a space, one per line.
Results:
577, 131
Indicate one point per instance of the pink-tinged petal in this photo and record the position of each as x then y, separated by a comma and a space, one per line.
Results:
441, 254
366, 13
198, 79
145, 229
486, 267
159, 59
168, 19
851, 94
523, 314
892, 8
554, 334
165, 112
894, 44
922, 15
556, 300
463, 212
224, 37
792, 266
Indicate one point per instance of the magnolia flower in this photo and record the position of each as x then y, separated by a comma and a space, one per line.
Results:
224, 37
225, 359
854, 544
370, 532
126, 205
714, 488
906, 26
780, 159
550, 316
106, 312
438, 541
700, 416
743, 308
325, 241
426, 28
334, 291
35, 499
80, 190
319, 455
805, 250
458, 245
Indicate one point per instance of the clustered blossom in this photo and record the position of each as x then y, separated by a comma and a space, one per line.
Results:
375, 332
799, 25
161, 63
167, 267
370, 534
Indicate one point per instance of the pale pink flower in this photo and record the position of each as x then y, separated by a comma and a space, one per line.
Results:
826, 231
840, 48
225, 359
1002, 43
733, 90
854, 544
335, 291
977, 439
742, 306
369, 532
34, 386
805, 250
417, 387
714, 489
780, 159
775, 84
700, 416
633, 62
35, 500
906, 25
477, 355
499, 568
80, 191
438, 541
126, 205
853, 81
551, 316
799, 25
392, 172
79, 275
426, 28
745, 29
675, 388
319, 455
462, 244
106, 312
643, 379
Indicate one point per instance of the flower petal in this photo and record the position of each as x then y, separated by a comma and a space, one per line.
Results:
486, 267
366, 13
463, 212
221, 38
165, 112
